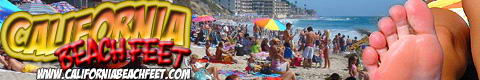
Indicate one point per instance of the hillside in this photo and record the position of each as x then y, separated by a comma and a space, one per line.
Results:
204, 7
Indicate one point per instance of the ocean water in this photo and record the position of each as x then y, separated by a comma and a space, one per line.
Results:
344, 25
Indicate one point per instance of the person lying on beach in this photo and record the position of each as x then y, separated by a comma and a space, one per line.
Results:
219, 53
400, 45
15, 65
201, 71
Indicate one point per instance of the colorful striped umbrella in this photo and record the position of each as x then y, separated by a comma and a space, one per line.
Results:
203, 18
270, 24
63, 7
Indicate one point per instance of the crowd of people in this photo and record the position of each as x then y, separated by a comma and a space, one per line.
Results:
282, 52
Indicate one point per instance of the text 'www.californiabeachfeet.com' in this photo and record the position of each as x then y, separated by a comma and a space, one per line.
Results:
56, 73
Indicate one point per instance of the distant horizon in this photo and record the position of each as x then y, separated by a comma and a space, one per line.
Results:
348, 7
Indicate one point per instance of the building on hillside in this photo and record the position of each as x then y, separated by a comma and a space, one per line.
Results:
89, 3
271, 8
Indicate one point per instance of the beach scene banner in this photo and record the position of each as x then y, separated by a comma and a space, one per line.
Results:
239, 39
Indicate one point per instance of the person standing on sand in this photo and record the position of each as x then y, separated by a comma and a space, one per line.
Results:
301, 40
336, 43
309, 47
288, 53
342, 43
325, 49
349, 43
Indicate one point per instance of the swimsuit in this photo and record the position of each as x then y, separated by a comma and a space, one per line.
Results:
29, 68
288, 53
308, 52
279, 66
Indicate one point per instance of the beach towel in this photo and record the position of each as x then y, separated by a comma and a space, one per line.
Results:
226, 60
262, 55
240, 74
221, 62
297, 61
252, 67
202, 75
232, 72
29, 68
273, 78
258, 74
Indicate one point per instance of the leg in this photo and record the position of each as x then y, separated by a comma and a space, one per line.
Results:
288, 75
214, 71
453, 35
407, 44
15, 64
327, 60
472, 11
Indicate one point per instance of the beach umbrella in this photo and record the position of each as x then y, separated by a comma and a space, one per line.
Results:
6, 8
63, 7
203, 18
38, 8
270, 24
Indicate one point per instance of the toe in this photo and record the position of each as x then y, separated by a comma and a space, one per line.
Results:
399, 17
387, 27
377, 40
370, 60
419, 17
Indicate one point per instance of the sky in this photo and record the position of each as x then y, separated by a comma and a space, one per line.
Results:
349, 7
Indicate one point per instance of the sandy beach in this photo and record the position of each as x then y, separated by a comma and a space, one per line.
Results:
339, 65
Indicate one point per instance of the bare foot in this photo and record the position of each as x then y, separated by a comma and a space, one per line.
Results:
406, 48
3, 61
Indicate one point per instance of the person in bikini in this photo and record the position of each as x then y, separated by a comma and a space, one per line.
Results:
16, 65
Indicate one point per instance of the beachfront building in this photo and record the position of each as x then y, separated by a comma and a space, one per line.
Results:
88, 3
271, 8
